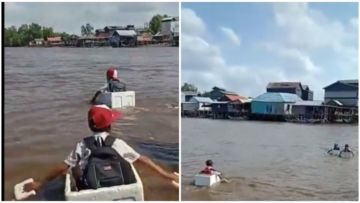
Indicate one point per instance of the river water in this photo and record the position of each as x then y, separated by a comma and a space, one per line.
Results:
46, 102
269, 160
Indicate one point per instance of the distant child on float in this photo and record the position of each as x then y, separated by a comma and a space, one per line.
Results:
113, 84
209, 169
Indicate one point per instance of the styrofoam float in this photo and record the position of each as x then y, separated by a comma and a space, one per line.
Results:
346, 155
206, 180
19, 191
118, 99
130, 192
334, 152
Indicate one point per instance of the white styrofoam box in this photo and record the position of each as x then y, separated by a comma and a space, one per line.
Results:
334, 152
206, 180
346, 155
19, 191
118, 99
130, 192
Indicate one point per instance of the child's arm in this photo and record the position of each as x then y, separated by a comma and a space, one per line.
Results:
52, 174
148, 162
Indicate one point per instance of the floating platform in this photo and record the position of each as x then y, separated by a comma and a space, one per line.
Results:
118, 99
130, 192
206, 180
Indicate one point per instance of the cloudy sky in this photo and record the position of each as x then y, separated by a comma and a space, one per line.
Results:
243, 46
68, 17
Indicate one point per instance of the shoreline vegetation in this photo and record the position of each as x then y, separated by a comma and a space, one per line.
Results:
161, 30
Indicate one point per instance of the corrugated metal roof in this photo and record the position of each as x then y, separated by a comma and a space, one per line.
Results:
308, 103
277, 97
352, 83
202, 99
349, 81
233, 98
220, 102
337, 102
126, 32
283, 84
188, 93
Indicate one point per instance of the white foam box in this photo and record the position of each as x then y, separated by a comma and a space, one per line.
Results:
130, 192
118, 99
206, 180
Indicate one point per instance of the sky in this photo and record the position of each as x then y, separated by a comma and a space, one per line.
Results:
68, 17
244, 46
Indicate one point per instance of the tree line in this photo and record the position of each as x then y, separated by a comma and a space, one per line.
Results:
17, 37
187, 87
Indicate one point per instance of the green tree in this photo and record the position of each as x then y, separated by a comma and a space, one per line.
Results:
87, 30
47, 32
27, 33
189, 87
35, 31
155, 24
10, 36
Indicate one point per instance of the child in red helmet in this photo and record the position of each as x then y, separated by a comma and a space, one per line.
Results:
113, 84
100, 118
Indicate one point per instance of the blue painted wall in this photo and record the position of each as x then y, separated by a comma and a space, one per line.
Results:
268, 108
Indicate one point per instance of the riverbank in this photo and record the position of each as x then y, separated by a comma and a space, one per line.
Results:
137, 46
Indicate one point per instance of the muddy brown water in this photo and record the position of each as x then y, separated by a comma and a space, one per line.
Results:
269, 160
46, 101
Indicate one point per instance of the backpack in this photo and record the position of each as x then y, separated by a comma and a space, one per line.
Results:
116, 86
105, 167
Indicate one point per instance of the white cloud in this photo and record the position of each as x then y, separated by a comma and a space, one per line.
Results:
204, 65
231, 35
308, 39
191, 23
307, 29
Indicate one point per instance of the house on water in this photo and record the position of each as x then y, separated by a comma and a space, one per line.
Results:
54, 41
119, 36
303, 91
343, 92
273, 105
342, 99
234, 106
37, 42
218, 93
197, 106
169, 31
123, 38
187, 95
308, 111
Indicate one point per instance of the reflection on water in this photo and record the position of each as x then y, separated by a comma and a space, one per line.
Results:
46, 102
269, 160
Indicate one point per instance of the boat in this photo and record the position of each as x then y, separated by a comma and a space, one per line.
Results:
206, 179
130, 192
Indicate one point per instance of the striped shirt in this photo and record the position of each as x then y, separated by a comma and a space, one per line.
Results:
80, 155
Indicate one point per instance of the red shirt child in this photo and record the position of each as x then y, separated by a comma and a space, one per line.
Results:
209, 169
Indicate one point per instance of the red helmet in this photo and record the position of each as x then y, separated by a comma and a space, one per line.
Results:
111, 73
102, 116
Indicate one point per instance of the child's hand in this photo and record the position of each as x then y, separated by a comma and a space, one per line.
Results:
174, 176
32, 186
175, 179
